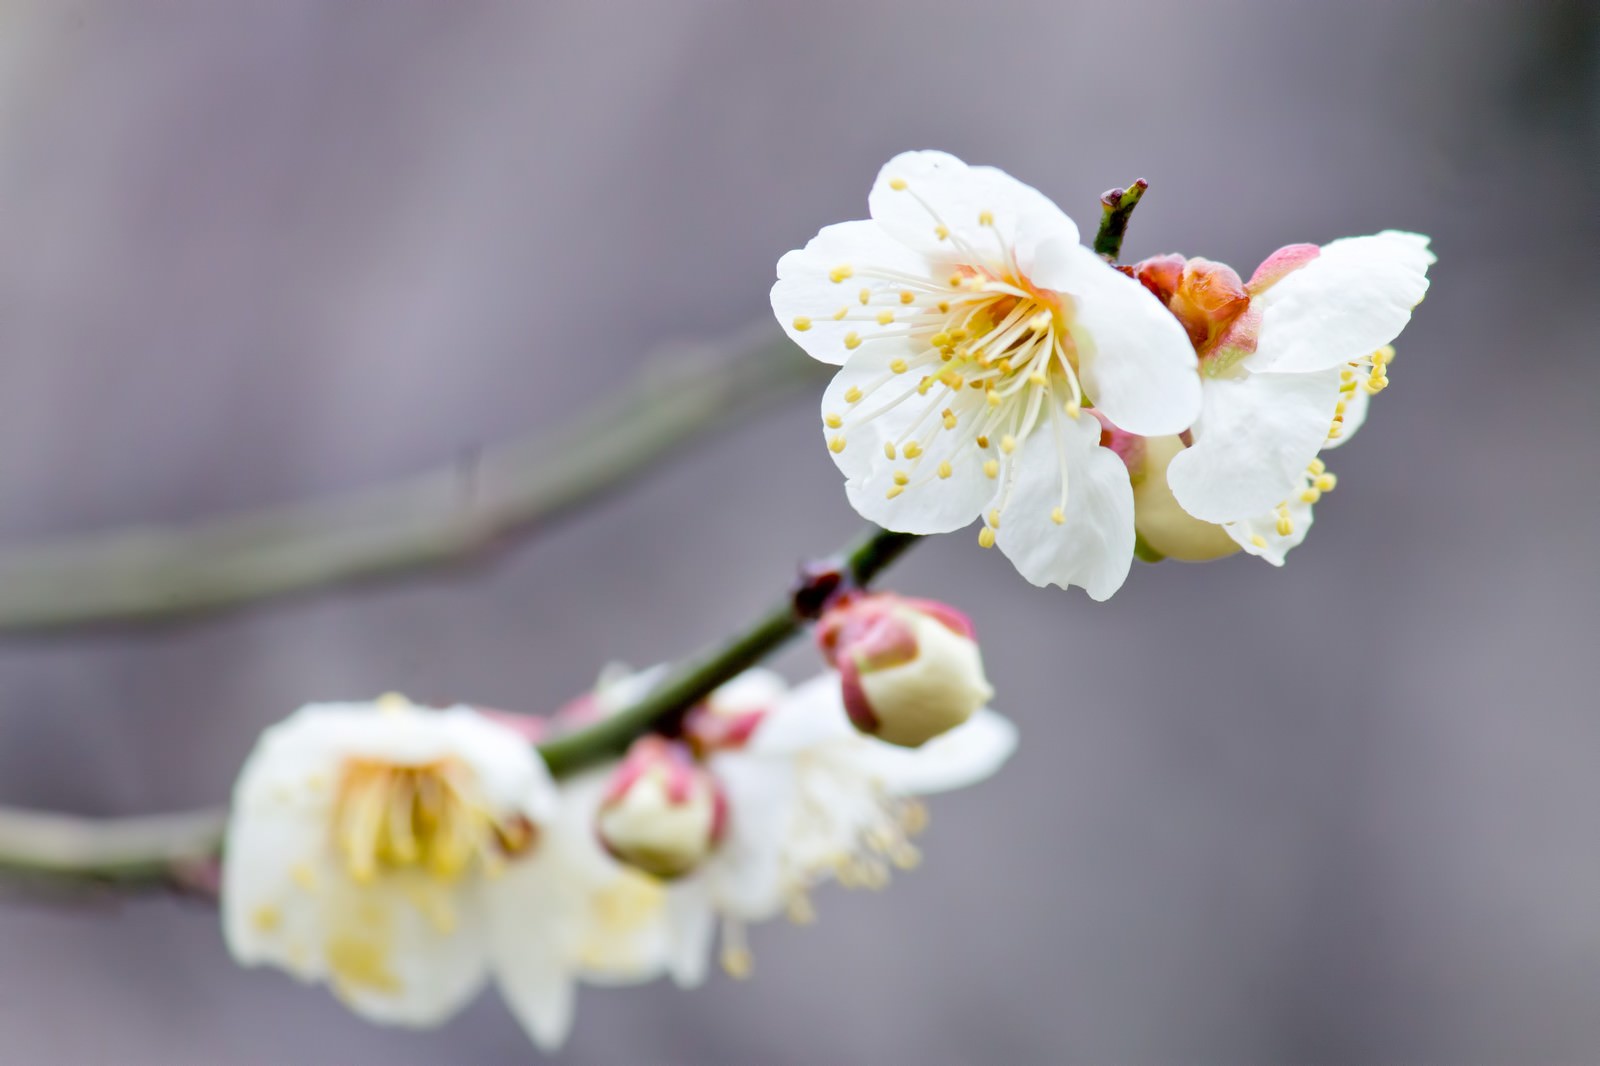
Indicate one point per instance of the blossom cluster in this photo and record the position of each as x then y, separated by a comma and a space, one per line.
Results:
992, 367
405, 856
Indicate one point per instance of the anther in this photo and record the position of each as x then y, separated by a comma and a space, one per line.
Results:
1058, 516
985, 537
832, 421
839, 315
1008, 444
840, 273
852, 340
1258, 540
951, 378
949, 419
898, 365
942, 231
865, 296
985, 218
982, 441
894, 490
901, 477
907, 296
945, 469
1326, 482
885, 317
852, 395
994, 519
888, 449
993, 397
912, 450
836, 445
1036, 378
897, 184
991, 468
801, 323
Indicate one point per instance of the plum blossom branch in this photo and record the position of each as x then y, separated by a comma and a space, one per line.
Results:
160, 851
1116, 207
152, 574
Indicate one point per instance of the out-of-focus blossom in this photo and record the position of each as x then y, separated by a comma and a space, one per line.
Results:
909, 669
972, 331
662, 812
1287, 360
809, 799
401, 855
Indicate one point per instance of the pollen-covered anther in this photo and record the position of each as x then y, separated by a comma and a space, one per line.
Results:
902, 478
1058, 516
907, 296
841, 273
802, 323
899, 366
885, 318
836, 444
1008, 444
985, 537
949, 418
897, 184
852, 395
832, 421
991, 468
852, 340
942, 231
945, 469
985, 218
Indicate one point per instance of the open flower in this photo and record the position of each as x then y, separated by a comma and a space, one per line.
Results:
972, 330
808, 799
1287, 362
400, 855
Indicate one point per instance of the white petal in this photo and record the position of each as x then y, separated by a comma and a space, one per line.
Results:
1353, 298
964, 756
941, 190
1093, 547
1134, 359
1252, 443
929, 503
620, 932
809, 715
807, 294
536, 910
693, 925
745, 874
1272, 546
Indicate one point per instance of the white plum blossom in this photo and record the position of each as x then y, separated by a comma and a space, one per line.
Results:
972, 331
402, 856
1287, 362
808, 799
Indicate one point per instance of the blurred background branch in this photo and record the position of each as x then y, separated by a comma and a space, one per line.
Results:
440, 517
150, 850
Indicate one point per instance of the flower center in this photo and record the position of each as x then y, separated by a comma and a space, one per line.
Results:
993, 357
429, 817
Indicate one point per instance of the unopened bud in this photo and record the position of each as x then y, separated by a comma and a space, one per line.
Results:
909, 669
1161, 522
662, 812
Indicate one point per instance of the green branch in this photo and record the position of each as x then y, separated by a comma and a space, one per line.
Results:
446, 516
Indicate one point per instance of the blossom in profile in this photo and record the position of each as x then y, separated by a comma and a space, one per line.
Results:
1288, 361
809, 799
909, 669
973, 331
401, 855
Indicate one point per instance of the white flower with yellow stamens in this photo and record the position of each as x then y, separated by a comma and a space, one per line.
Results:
972, 330
1287, 360
399, 854
808, 799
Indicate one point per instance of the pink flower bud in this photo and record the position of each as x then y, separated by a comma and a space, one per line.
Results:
1209, 299
662, 812
909, 669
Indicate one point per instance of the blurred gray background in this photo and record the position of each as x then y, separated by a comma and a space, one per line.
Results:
1340, 813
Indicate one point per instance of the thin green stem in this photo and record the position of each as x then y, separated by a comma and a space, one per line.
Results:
1116, 207
696, 679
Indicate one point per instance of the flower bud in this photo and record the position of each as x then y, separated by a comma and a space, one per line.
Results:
1209, 299
1161, 522
662, 811
909, 669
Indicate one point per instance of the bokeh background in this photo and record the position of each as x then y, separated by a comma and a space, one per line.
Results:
1345, 812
